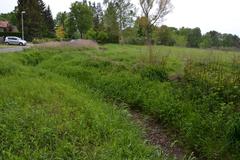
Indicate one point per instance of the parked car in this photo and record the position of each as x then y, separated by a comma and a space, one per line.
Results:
15, 41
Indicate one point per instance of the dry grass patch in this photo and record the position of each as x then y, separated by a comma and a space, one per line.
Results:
73, 44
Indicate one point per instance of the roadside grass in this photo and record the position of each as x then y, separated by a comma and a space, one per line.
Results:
46, 116
202, 109
3, 46
9, 46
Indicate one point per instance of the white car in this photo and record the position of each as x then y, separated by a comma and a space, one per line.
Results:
15, 41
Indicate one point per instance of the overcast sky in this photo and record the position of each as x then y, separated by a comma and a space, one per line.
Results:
209, 15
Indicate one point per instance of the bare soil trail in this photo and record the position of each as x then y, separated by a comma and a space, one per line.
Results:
160, 136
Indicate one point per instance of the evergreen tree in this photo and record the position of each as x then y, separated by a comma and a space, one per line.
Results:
49, 22
33, 19
38, 20
111, 24
97, 16
71, 26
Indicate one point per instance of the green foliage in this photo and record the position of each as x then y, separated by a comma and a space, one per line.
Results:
45, 115
234, 133
38, 19
61, 19
180, 41
102, 37
11, 17
49, 22
110, 23
83, 17
97, 16
4, 34
60, 33
125, 12
197, 106
194, 37
91, 34
59, 83
165, 36
154, 73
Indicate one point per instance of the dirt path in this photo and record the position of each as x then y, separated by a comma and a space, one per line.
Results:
161, 137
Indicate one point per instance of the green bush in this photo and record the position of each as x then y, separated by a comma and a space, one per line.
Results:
91, 34
234, 133
154, 72
5, 34
102, 37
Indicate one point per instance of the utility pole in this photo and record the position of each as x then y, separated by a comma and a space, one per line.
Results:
23, 12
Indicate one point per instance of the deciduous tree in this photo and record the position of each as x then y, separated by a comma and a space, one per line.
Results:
154, 11
83, 16
125, 12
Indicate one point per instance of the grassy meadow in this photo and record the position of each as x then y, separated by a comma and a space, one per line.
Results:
66, 103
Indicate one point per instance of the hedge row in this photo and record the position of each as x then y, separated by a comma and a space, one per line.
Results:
4, 34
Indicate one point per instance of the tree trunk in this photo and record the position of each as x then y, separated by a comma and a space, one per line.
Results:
81, 35
121, 39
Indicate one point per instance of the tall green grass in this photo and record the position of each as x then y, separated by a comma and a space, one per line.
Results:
200, 106
46, 116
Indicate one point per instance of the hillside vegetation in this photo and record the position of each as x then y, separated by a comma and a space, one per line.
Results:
52, 101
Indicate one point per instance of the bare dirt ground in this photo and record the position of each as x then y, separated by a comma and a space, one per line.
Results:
160, 136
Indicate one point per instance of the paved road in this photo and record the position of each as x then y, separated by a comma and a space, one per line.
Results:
14, 48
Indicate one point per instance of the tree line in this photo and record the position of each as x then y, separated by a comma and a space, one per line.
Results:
192, 37
117, 23
89, 20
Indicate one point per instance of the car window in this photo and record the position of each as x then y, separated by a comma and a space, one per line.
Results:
12, 38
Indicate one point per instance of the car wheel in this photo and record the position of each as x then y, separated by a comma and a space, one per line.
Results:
7, 43
21, 44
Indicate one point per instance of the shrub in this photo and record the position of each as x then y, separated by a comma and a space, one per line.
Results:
5, 34
154, 72
102, 37
234, 132
91, 34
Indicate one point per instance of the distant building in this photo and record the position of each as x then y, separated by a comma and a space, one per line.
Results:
5, 26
